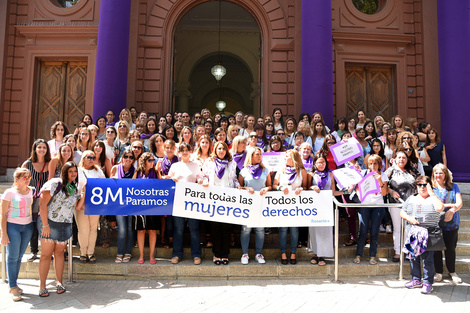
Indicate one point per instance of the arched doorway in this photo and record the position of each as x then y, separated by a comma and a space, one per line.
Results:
196, 51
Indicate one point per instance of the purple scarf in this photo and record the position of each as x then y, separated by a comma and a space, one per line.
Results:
268, 136
127, 174
152, 174
260, 143
220, 166
166, 164
145, 136
291, 174
321, 178
308, 164
255, 170
239, 158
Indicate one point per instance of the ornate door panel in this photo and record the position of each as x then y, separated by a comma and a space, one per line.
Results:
61, 95
370, 89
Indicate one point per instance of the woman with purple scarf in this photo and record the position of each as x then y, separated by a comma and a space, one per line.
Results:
254, 177
292, 178
220, 170
321, 238
261, 142
238, 152
125, 236
146, 170
170, 157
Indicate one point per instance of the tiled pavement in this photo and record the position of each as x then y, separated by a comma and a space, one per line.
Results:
366, 294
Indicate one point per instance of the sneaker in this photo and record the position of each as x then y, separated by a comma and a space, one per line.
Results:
388, 229
260, 259
414, 283
244, 259
33, 257
427, 288
381, 229
438, 277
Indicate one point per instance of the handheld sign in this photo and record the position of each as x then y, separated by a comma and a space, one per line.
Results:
346, 177
344, 151
109, 196
273, 160
368, 185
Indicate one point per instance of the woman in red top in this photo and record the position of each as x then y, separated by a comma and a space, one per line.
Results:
326, 153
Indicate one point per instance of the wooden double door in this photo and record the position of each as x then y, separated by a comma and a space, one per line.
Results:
370, 89
61, 95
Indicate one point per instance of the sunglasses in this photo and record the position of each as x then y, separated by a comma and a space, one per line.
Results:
253, 136
151, 160
26, 177
408, 149
421, 185
281, 134
406, 138
137, 147
92, 158
82, 126
331, 142
128, 157
110, 131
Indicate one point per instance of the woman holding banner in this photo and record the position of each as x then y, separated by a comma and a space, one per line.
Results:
238, 152
220, 170
372, 215
254, 177
125, 237
186, 171
293, 177
321, 238
146, 170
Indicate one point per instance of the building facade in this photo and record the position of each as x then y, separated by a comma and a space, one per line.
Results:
62, 59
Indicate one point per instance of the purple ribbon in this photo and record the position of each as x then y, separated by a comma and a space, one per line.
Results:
255, 170
308, 164
220, 166
268, 137
127, 174
239, 158
166, 164
321, 178
291, 174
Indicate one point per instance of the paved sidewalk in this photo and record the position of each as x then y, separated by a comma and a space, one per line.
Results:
375, 294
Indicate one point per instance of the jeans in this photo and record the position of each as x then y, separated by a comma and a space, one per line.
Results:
294, 238
450, 239
374, 216
178, 229
245, 239
19, 236
125, 235
428, 267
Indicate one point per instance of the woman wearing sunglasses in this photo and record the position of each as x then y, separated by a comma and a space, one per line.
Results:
87, 224
125, 236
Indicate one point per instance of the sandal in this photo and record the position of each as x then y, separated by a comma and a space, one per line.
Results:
225, 261
350, 242
16, 296
455, 278
60, 289
44, 293
373, 260
127, 258
118, 259
92, 259
217, 261
438, 277
314, 260
357, 259
321, 262
83, 259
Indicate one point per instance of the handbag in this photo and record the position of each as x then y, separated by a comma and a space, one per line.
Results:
435, 239
36, 197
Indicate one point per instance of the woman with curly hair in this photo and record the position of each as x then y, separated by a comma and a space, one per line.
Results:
58, 131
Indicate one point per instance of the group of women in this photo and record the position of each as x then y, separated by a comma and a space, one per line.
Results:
48, 192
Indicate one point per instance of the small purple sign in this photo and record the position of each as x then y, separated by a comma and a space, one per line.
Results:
345, 151
368, 185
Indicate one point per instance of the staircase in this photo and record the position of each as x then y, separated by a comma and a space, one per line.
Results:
105, 268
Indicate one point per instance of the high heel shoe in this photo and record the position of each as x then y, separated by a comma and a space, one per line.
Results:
293, 260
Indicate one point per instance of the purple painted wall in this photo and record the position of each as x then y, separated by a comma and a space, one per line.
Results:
317, 59
112, 57
454, 68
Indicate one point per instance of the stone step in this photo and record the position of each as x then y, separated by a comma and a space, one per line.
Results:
105, 268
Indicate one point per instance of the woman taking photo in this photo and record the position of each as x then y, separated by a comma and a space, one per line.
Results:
254, 177
58, 131
38, 166
401, 176
372, 215
17, 226
292, 178
87, 224
449, 193
60, 197
321, 238
185, 171
125, 231
220, 170
146, 170
55, 165
423, 207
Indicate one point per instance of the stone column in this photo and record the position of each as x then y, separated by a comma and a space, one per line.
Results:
112, 57
453, 20
183, 94
317, 59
